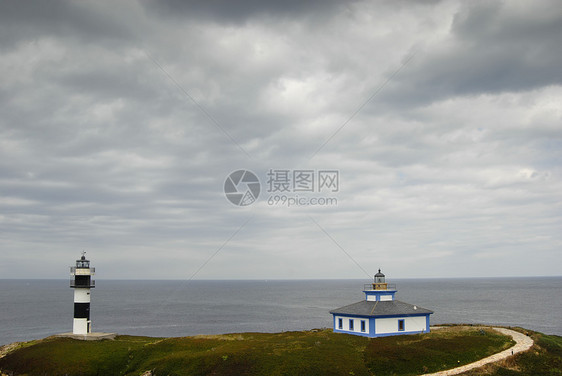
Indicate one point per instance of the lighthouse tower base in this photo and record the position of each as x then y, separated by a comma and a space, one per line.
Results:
97, 336
82, 326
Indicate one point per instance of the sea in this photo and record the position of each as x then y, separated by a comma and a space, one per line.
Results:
33, 309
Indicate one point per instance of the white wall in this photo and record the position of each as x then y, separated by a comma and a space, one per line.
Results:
390, 325
356, 324
82, 295
80, 326
382, 297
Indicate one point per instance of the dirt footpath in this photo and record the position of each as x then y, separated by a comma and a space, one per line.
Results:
523, 343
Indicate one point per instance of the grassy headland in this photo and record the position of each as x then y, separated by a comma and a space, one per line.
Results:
316, 352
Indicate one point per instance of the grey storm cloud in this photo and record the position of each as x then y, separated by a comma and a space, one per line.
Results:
62, 19
119, 123
243, 11
492, 47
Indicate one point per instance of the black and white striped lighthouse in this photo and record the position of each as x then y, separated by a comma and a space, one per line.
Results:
81, 281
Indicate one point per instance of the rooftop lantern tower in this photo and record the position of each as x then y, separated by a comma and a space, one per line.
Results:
379, 290
380, 284
81, 281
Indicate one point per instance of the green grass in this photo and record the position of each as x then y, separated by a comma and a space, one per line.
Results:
65, 356
316, 352
290, 353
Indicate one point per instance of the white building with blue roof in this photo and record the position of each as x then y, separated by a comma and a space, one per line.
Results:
380, 314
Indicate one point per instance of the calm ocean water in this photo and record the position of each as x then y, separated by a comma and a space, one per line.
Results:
31, 309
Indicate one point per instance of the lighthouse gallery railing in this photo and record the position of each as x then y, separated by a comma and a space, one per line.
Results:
370, 287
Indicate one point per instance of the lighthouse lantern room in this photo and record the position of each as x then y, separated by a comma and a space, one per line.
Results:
81, 281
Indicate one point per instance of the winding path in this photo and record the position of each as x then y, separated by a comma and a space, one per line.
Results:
523, 343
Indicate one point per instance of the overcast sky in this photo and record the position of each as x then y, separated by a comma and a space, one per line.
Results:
120, 121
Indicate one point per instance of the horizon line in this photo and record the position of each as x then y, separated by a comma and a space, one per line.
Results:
284, 279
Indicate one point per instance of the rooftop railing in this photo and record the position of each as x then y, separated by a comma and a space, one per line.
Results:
82, 271
370, 287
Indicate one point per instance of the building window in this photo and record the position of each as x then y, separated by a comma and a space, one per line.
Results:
350, 324
362, 325
401, 325
340, 323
